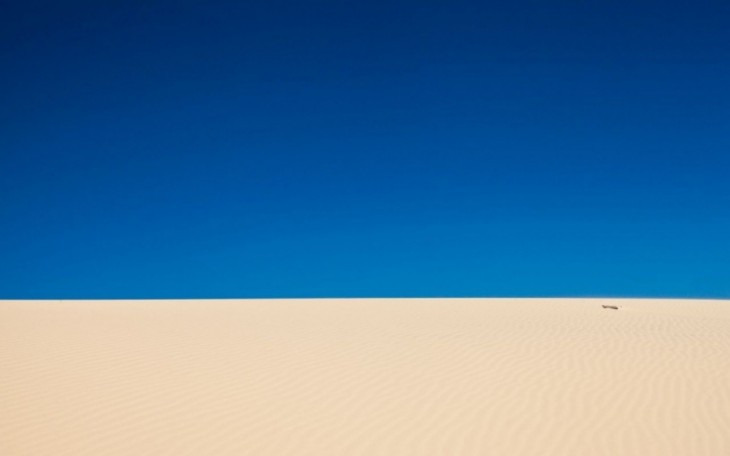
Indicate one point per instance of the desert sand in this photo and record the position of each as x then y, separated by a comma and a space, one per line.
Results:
365, 377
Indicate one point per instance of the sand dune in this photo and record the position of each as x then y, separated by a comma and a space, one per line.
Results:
365, 377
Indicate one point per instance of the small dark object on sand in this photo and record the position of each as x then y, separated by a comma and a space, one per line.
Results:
609, 307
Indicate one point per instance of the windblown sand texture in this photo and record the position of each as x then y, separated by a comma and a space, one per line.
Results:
365, 377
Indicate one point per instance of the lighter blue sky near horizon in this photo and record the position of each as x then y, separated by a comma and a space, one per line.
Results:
312, 149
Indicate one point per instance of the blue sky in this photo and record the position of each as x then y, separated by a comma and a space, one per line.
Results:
310, 149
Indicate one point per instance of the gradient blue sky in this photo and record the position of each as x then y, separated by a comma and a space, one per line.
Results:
302, 149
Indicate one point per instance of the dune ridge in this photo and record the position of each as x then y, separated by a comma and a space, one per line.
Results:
365, 377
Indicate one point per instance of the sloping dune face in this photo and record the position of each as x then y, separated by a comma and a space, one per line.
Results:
365, 377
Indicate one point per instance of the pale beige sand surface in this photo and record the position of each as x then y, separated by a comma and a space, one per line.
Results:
365, 377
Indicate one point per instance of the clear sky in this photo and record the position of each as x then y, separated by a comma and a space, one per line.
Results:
160, 149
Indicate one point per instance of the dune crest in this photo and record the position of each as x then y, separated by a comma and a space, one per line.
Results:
365, 377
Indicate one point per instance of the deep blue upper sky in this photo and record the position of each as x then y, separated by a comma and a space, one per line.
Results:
299, 149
